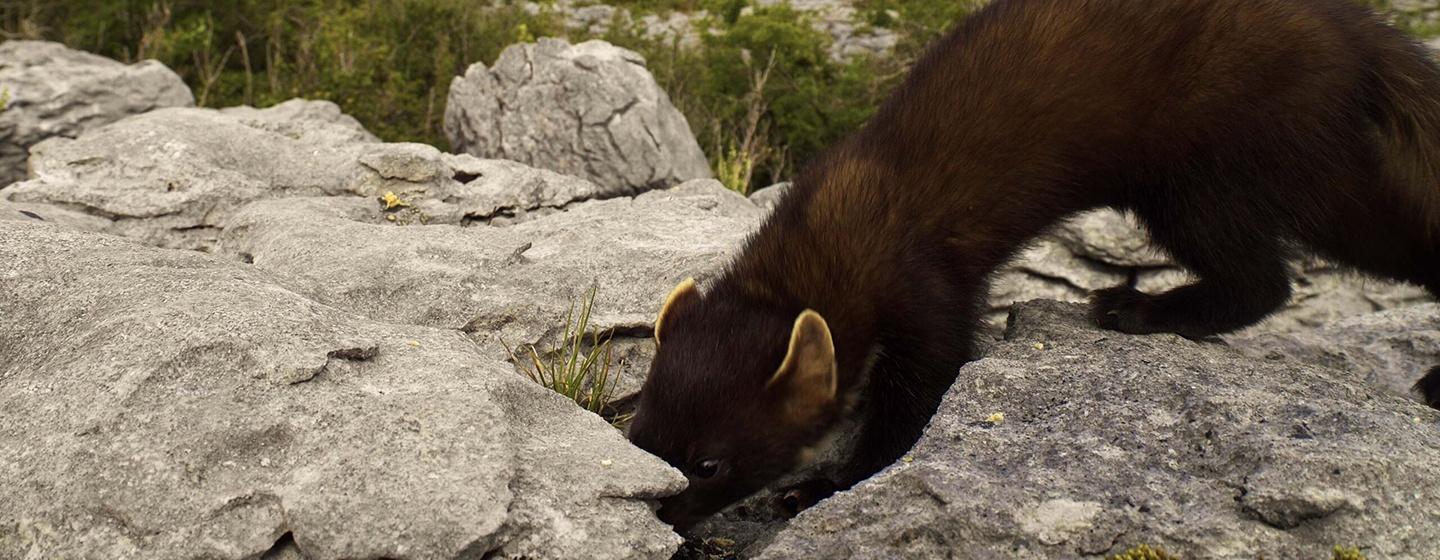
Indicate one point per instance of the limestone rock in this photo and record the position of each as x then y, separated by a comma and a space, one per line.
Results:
769, 196
510, 284
1111, 238
167, 404
173, 177
1390, 349
54, 91
1109, 441
591, 110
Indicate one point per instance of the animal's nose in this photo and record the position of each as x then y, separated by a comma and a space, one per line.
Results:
677, 517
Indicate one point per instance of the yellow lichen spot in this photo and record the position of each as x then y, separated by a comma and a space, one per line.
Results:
908, 459
1142, 552
413, 343
1038, 346
390, 217
392, 201
1347, 553
995, 418
606, 462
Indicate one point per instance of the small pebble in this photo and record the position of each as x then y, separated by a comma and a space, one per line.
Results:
995, 418
606, 462
1038, 346
908, 459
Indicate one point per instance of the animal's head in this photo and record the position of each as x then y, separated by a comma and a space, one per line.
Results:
735, 397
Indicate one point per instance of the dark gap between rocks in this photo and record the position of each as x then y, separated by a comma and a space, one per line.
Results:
283, 549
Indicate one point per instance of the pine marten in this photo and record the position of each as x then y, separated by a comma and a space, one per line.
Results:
1237, 131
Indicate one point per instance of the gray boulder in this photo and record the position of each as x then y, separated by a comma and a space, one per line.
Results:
591, 110
168, 404
770, 196
173, 177
1111, 238
312, 122
53, 91
509, 284
1109, 441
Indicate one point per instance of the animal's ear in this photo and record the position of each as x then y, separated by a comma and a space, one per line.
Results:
805, 384
683, 296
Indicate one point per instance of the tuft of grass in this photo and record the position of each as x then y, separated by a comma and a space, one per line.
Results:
1143, 552
579, 371
1347, 553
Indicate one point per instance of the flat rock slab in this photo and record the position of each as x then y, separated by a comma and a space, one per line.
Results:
173, 177
54, 91
1109, 441
1390, 348
169, 404
590, 110
513, 284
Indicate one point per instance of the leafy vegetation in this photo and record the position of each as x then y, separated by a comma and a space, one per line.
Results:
1418, 18
576, 369
760, 89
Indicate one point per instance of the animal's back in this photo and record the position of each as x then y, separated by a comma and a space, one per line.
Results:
1309, 120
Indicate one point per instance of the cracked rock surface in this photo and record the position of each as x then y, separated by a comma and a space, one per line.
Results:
55, 91
1109, 441
1389, 348
590, 110
512, 284
169, 404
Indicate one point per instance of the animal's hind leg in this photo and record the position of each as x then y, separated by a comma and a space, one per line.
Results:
1242, 278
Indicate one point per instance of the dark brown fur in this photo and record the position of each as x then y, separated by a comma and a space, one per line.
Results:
1236, 130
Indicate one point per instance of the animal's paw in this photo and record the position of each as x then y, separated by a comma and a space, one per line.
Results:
800, 497
1123, 309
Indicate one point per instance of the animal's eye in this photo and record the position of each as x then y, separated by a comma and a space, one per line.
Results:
706, 468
